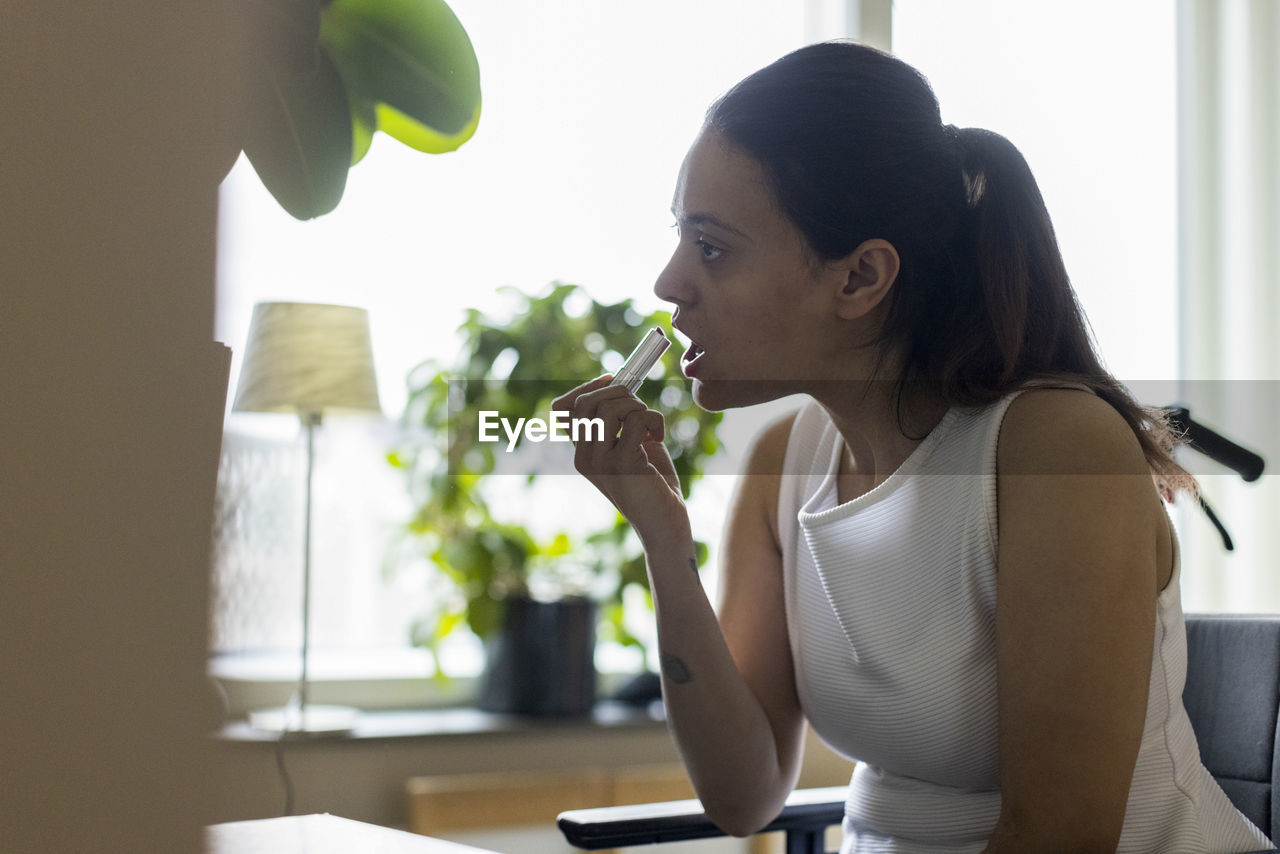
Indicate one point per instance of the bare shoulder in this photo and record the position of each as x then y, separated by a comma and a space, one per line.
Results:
755, 502
1073, 480
1066, 431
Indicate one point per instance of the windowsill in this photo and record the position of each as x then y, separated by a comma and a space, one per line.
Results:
373, 680
396, 694
447, 722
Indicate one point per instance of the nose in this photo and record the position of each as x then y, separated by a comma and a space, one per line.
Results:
672, 285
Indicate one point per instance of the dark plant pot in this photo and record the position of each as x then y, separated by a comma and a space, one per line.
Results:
542, 660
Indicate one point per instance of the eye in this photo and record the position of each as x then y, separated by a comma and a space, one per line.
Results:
709, 252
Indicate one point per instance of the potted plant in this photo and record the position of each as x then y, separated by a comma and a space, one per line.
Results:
515, 587
322, 76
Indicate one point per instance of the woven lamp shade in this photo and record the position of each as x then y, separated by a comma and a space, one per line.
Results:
308, 359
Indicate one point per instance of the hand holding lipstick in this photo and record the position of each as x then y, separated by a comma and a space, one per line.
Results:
630, 466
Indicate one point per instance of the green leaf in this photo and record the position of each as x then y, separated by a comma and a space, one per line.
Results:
559, 546
484, 614
300, 138
414, 60
419, 136
364, 121
445, 626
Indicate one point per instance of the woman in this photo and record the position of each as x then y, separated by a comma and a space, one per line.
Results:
954, 562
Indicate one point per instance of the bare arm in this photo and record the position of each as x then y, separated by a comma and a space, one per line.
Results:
727, 682
1080, 528
730, 691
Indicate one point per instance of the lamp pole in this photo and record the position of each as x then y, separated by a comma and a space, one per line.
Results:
310, 420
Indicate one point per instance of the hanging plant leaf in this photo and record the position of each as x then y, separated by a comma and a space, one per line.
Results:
300, 138
327, 74
411, 58
364, 121
418, 136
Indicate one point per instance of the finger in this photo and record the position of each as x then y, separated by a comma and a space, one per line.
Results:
617, 450
589, 402
645, 425
615, 412
607, 405
639, 431
567, 400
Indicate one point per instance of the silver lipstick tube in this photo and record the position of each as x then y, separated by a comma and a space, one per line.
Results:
641, 360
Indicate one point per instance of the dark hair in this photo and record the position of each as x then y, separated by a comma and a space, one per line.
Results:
853, 143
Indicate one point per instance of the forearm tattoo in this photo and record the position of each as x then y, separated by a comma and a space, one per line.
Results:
675, 669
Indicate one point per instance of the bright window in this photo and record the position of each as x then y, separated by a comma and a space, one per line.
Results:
1088, 92
588, 110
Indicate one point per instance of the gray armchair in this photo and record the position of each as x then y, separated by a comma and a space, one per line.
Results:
1232, 697
1233, 700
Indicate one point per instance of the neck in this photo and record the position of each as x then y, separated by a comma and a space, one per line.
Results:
880, 428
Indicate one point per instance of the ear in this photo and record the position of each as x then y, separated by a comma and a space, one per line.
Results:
870, 270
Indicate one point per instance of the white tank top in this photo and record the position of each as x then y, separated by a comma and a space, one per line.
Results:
890, 602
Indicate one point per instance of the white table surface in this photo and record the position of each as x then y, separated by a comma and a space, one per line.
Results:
322, 834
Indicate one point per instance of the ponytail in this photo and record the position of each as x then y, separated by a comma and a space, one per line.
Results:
1037, 329
853, 143
1014, 247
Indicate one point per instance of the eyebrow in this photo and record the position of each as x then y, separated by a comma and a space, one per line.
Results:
697, 219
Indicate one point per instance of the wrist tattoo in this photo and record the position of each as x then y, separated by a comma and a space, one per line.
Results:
675, 669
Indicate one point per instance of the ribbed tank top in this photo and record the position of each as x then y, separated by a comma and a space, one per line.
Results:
890, 603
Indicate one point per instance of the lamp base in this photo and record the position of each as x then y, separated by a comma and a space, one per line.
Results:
307, 720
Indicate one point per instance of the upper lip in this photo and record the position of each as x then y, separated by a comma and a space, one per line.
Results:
678, 328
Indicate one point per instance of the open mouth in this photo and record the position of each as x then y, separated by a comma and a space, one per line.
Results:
690, 358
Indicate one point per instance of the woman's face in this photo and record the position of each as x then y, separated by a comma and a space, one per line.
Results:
749, 294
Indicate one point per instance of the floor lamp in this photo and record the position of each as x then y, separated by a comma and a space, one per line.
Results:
311, 360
